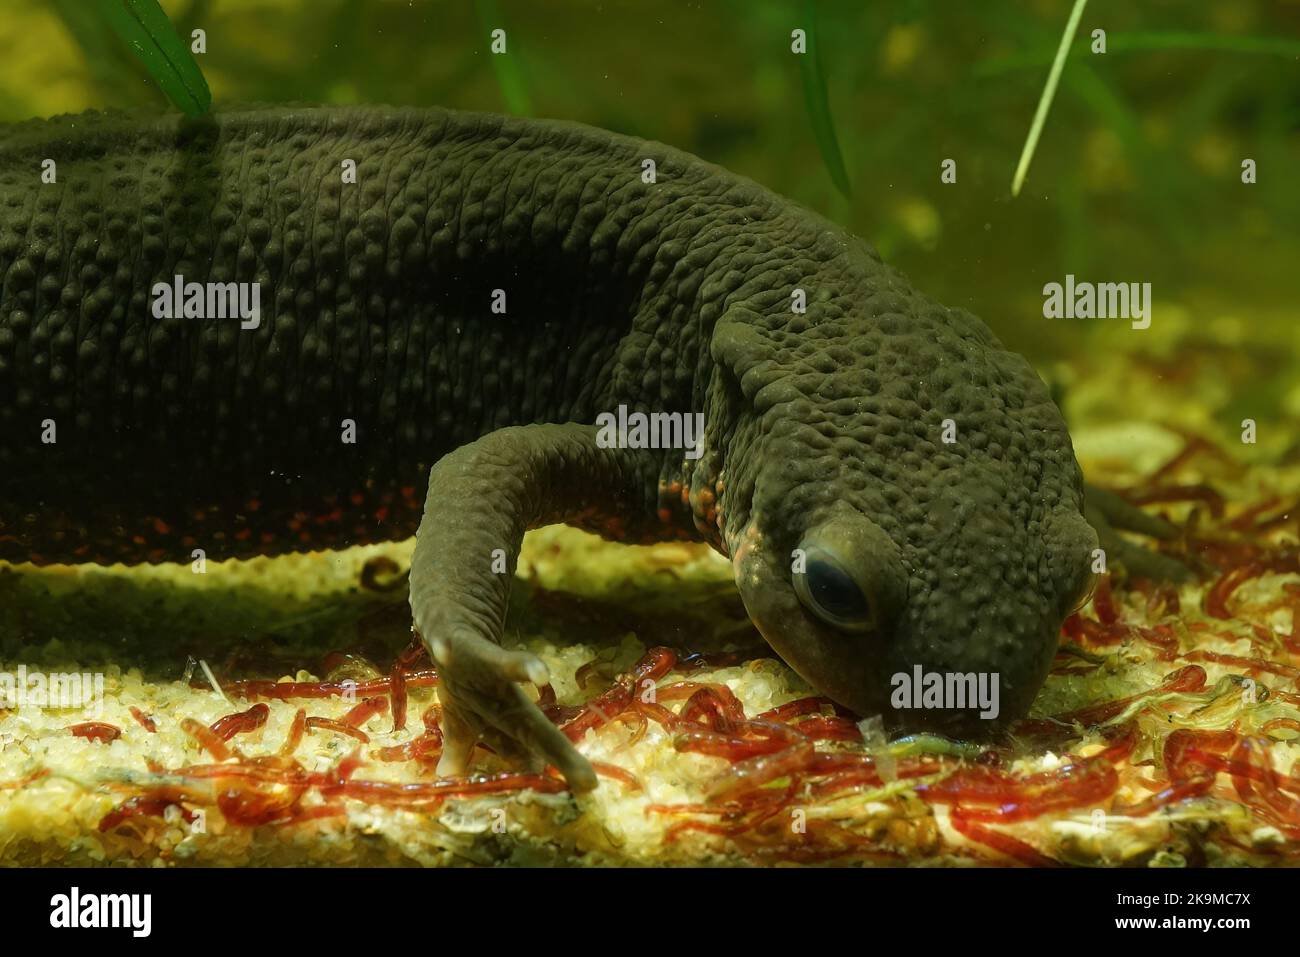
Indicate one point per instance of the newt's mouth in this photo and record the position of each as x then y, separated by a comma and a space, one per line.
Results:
969, 687
843, 666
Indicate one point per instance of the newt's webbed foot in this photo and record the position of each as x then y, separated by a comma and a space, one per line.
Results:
482, 700
482, 497
1108, 513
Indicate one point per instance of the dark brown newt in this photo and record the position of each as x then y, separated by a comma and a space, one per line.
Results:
447, 302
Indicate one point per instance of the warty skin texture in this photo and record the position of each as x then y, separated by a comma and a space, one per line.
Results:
823, 429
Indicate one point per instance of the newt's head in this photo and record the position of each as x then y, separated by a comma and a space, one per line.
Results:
909, 519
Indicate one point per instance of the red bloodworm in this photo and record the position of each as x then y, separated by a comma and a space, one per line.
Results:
254, 808
602, 709
679, 809
331, 781
1103, 602
1162, 637
656, 663
1161, 598
1125, 739
1185, 680
717, 698
677, 691
1179, 493
829, 728
1256, 782
1080, 629
1216, 598
364, 710
718, 745
1002, 843
141, 806
387, 792
1076, 785
1186, 746
211, 742
100, 731
764, 768
413, 654
758, 811
338, 727
1290, 724
707, 707
973, 783
657, 712
145, 720
621, 775
248, 771
424, 747
227, 727
1251, 664
286, 690
294, 737
640, 724
1017, 799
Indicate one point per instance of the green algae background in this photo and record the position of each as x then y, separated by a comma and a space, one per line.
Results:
1137, 177
1137, 174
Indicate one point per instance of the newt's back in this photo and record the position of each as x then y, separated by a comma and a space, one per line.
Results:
334, 328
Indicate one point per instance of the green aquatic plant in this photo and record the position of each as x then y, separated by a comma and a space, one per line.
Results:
510, 78
1045, 101
818, 103
145, 28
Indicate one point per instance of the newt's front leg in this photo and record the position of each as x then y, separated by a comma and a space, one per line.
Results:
1108, 513
482, 498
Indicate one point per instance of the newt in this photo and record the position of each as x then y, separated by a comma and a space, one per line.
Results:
448, 303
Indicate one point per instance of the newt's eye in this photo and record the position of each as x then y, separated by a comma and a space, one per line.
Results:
1084, 594
831, 593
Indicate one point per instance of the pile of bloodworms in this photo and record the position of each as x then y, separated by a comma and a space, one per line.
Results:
808, 752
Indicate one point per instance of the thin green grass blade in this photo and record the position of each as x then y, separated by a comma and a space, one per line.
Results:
819, 108
510, 78
1045, 101
1148, 42
144, 27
